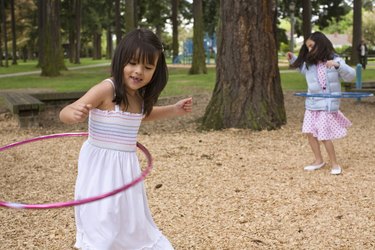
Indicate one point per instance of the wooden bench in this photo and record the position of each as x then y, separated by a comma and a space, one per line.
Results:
366, 87
58, 98
347, 56
25, 107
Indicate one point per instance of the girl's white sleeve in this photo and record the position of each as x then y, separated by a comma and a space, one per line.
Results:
301, 69
346, 72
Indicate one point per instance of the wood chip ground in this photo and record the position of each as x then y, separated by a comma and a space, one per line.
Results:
230, 189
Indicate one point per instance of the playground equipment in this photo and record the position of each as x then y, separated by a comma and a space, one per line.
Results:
210, 49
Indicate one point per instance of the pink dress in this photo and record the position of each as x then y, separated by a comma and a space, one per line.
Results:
322, 124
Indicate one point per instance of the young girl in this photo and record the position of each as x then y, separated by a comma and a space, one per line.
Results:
323, 121
115, 108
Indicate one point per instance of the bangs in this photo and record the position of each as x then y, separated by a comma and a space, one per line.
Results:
145, 56
142, 53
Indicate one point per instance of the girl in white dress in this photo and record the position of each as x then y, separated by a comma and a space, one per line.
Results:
115, 108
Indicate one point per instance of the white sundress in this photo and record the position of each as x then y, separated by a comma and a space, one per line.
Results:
107, 161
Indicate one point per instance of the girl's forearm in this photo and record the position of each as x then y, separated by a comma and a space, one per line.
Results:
162, 112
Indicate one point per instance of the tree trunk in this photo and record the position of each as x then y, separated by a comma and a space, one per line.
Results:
129, 16
77, 31
53, 60
174, 30
1, 50
118, 21
97, 46
357, 31
109, 24
109, 50
306, 16
42, 15
248, 91
136, 13
14, 38
198, 65
4, 31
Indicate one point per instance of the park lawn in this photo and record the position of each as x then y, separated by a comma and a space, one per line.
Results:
31, 65
180, 82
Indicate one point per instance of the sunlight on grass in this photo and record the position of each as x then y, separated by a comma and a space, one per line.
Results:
180, 82
31, 65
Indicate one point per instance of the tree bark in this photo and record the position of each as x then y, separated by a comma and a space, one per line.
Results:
129, 16
77, 31
357, 31
4, 31
53, 59
306, 16
118, 21
109, 43
174, 30
97, 45
198, 65
248, 91
14, 37
42, 15
1, 46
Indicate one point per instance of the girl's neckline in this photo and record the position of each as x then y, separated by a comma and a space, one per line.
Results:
117, 111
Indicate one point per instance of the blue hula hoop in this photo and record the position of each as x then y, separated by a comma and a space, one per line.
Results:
336, 95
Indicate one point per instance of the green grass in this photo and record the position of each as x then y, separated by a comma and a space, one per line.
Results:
180, 82
292, 80
31, 65
72, 80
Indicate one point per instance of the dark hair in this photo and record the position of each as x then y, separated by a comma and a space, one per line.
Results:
323, 51
141, 45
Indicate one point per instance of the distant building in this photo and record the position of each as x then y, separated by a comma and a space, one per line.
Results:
340, 40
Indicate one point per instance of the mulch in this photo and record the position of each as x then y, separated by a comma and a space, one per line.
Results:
229, 189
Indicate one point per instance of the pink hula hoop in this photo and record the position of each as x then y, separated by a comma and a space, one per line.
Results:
75, 202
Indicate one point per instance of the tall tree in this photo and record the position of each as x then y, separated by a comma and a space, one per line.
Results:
357, 30
136, 12
326, 11
174, 18
306, 18
14, 38
52, 60
129, 15
248, 91
109, 24
198, 65
1, 45
4, 31
71, 17
210, 16
77, 31
118, 31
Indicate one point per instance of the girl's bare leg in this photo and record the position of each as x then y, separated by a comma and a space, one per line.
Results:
315, 147
331, 152
336, 169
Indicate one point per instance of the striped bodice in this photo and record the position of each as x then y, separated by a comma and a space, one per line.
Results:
114, 129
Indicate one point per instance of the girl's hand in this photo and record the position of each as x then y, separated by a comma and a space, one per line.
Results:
184, 106
79, 111
289, 56
332, 63
181, 107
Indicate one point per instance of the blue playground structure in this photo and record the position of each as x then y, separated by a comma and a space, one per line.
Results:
210, 48
358, 81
